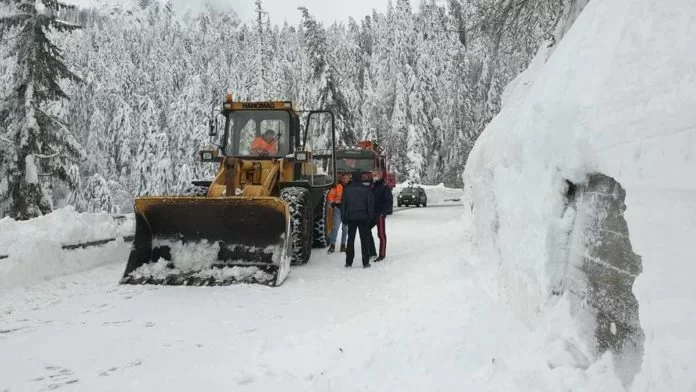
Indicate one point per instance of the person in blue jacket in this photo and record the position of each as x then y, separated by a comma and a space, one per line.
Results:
357, 208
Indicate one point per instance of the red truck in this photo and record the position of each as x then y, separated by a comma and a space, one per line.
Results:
366, 156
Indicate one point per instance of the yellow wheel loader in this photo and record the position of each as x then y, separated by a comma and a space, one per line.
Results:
263, 212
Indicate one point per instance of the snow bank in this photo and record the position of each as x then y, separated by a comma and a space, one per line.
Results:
616, 97
35, 248
437, 194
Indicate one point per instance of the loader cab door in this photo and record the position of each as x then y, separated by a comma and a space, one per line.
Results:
318, 140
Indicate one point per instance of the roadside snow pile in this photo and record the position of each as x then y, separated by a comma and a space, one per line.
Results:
35, 247
615, 98
437, 194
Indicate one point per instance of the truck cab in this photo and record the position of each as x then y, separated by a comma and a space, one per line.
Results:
366, 157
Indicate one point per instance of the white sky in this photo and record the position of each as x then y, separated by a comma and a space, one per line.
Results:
324, 10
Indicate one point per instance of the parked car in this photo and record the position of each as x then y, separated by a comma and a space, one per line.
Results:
413, 195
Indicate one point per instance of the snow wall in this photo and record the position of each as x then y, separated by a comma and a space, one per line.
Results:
35, 248
600, 133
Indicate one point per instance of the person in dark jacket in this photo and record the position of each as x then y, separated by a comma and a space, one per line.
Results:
384, 205
357, 209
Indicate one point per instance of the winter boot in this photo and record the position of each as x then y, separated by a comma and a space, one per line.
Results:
332, 248
343, 248
380, 258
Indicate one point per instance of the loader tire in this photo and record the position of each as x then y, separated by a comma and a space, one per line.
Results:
321, 236
300, 205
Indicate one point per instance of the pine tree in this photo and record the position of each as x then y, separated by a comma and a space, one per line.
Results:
77, 198
370, 111
330, 95
398, 140
98, 195
260, 55
379, 84
39, 143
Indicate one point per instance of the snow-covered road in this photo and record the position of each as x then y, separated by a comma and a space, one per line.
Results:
416, 322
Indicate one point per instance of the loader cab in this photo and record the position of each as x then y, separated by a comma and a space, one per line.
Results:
259, 130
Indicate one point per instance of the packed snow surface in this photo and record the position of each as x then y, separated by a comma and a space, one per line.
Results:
616, 97
419, 321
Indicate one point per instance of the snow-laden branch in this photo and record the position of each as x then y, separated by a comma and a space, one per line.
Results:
41, 156
16, 16
69, 24
5, 38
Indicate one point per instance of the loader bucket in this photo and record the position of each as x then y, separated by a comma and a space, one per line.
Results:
205, 241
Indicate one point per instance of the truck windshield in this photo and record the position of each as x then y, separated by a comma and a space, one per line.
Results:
257, 133
351, 164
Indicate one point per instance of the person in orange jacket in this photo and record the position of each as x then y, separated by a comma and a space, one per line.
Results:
335, 197
267, 143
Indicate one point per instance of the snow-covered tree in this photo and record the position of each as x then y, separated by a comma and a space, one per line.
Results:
98, 195
324, 73
77, 197
37, 142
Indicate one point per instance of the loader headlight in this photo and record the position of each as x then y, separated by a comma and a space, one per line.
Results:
301, 156
207, 156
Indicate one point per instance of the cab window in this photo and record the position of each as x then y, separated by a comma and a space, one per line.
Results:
248, 130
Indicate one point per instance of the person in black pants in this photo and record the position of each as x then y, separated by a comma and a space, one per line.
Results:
357, 209
384, 205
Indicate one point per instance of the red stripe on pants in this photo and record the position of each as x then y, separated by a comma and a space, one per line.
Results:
382, 234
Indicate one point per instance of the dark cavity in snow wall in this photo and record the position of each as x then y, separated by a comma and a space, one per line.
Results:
603, 269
